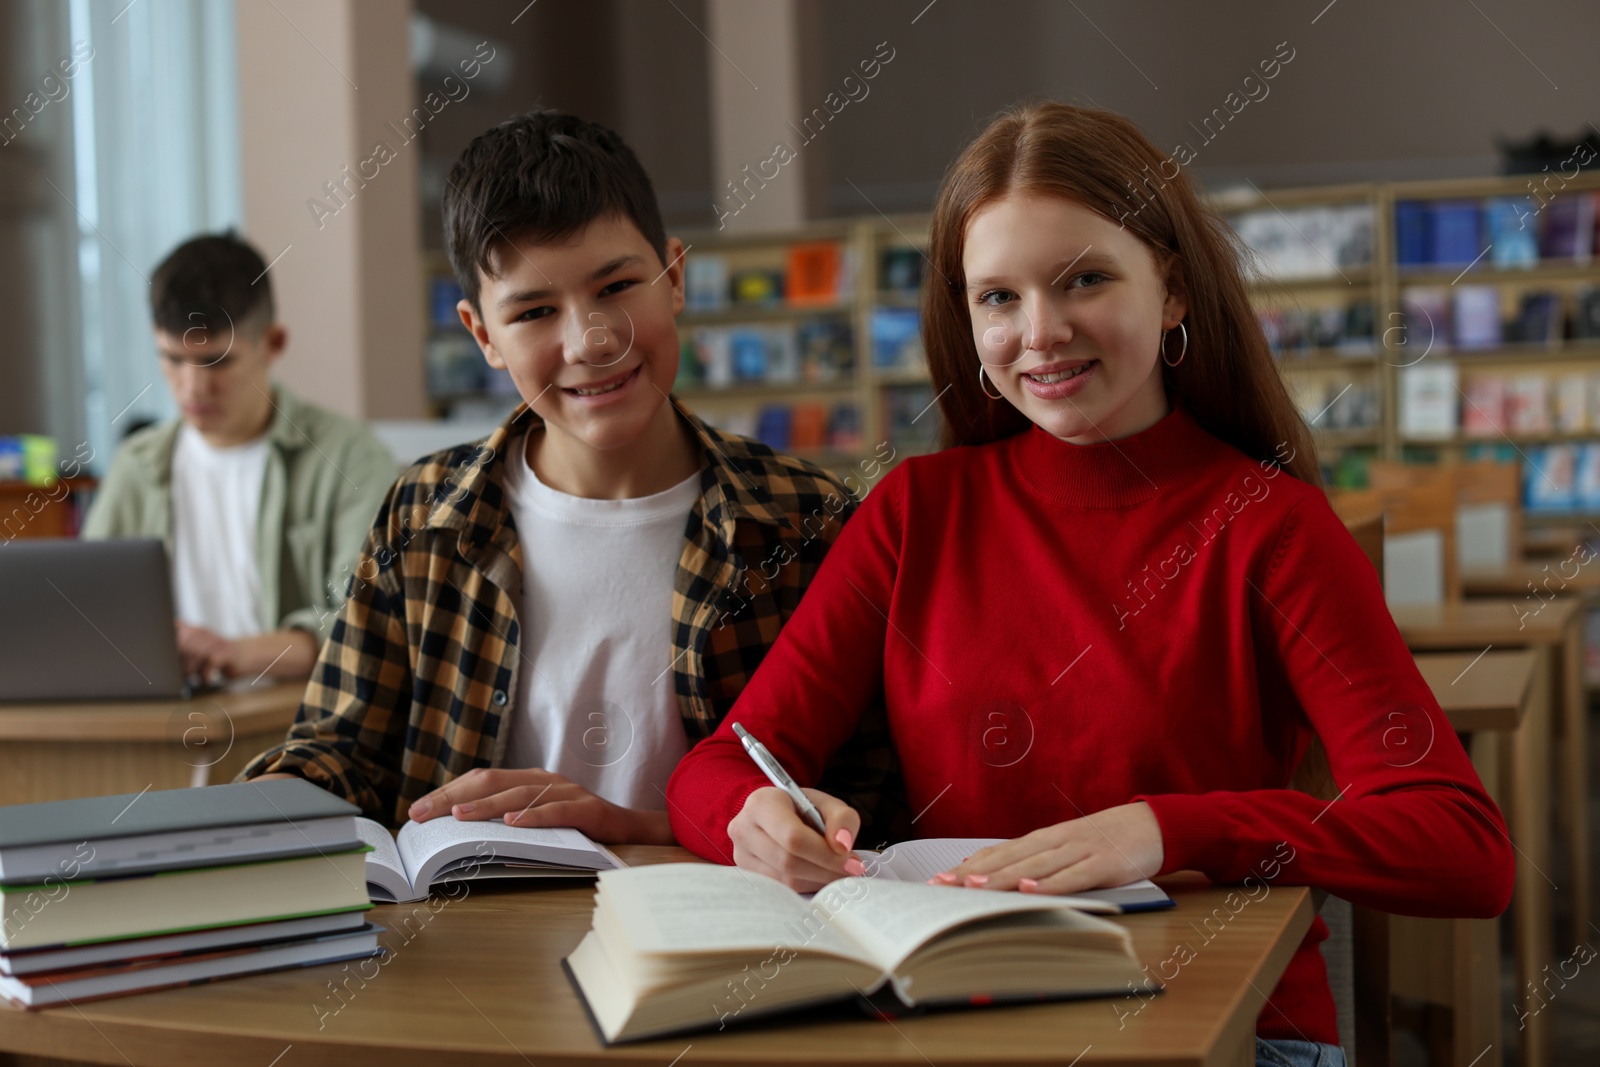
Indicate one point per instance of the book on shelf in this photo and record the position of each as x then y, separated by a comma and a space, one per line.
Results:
1550, 477
900, 270
844, 427
1539, 319
827, 349
1572, 402
671, 946
814, 275
1527, 404
1586, 481
716, 357
1512, 231
1307, 242
1586, 314
408, 865
1413, 233
1346, 329
911, 415
749, 350
1429, 400
1476, 317
1569, 227
1455, 235
1426, 315
808, 427
774, 426
444, 294
757, 287
705, 282
1483, 407
896, 337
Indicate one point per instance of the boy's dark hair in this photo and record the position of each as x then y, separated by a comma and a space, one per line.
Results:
215, 282
545, 174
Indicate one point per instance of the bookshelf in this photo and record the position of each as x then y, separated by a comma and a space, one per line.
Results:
1338, 276
1485, 343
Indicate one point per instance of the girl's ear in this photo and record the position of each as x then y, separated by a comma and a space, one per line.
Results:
1176, 304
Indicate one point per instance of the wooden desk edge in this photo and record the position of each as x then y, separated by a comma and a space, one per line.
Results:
1227, 1046
249, 712
1503, 711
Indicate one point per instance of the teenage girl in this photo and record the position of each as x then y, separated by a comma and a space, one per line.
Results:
1112, 616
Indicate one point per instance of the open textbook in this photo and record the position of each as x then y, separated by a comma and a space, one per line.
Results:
918, 861
683, 946
406, 866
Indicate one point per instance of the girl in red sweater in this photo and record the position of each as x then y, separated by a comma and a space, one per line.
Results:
1109, 623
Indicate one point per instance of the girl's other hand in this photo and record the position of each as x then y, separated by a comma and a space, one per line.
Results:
1109, 848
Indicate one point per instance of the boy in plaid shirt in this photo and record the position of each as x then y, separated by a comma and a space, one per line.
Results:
542, 623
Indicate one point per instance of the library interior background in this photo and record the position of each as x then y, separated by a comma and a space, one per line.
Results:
1418, 186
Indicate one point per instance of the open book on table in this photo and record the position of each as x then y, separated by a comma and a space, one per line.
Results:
406, 866
682, 946
918, 861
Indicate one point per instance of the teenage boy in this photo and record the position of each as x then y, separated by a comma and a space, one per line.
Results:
542, 623
263, 500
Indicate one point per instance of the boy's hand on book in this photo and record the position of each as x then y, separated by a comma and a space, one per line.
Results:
535, 797
1109, 848
770, 838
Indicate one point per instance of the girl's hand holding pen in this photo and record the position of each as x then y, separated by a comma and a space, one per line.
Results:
770, 838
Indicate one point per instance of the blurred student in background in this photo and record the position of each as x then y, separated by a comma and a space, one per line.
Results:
262, 499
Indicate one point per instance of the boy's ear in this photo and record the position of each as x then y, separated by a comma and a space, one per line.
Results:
480, 333
673, 275
274, 339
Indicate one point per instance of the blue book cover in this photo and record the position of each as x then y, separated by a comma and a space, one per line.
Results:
892, 330
1513, 231
1413, 232
1456, 237
446, 294
749, 355
1550, 478
772, 427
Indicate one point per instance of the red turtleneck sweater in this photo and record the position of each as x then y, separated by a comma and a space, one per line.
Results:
1057, 629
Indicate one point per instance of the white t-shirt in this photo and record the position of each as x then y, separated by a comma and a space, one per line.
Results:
216, 500
598, 705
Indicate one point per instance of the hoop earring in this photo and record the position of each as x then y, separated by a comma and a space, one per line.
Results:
1181, 354
986, 392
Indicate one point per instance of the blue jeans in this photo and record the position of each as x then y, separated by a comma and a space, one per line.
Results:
1297, 1054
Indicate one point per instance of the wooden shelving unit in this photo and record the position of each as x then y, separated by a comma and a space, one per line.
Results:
1379, 281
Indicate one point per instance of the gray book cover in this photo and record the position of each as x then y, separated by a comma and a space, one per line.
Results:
167, 811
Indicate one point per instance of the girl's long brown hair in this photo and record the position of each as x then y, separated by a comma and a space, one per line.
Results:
1227, 380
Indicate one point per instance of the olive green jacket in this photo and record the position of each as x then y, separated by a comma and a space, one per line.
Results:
326, 476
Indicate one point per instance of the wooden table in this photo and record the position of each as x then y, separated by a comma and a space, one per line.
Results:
1474, 625
478, 979
58, 751
1547, 578
1500, 701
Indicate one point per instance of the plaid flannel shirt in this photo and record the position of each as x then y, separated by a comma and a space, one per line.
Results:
413, 687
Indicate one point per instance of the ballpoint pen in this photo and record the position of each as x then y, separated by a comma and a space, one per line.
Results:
779, 777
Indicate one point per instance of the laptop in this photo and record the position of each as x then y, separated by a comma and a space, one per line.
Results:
85, 620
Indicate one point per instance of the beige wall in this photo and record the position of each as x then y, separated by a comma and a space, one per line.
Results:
319, 82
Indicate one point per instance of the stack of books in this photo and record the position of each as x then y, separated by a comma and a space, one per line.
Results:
101, 896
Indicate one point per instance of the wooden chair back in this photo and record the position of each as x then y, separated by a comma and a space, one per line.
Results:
1427, 505
1489, 486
